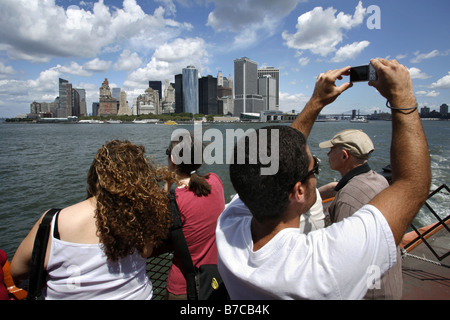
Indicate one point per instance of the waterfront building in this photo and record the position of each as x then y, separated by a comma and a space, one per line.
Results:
79, 107
95, 107
124, 109
179, 101
156, 85
190, 89
115, 92
274, 74
425, 112
108, 105
226, 105
65, 99
443, 109
207, 92
247, 99
267, 89
148, 103
168, 103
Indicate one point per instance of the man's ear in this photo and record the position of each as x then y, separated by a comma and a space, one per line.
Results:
298, 192
345, 154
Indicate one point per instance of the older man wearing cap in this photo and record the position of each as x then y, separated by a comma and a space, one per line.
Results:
349, 154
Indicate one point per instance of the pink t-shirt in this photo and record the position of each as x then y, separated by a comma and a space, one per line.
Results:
199, 216
3, 292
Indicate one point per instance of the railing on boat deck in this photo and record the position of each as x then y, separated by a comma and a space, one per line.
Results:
157, 270
442, 223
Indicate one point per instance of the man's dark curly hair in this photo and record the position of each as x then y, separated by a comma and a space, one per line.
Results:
131, 207
267, 195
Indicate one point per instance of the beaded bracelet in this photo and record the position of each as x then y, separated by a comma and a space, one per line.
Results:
392, 108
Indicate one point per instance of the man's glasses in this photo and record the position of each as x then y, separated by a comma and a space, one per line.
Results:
314, 170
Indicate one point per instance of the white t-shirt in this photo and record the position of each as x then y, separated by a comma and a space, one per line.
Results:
338, 262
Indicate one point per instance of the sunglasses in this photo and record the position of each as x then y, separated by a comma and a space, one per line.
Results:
314, 170
167, 152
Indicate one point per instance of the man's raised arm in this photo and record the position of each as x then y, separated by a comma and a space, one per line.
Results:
325, 92
410, 160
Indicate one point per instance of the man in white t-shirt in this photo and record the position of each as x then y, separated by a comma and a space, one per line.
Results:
261, 252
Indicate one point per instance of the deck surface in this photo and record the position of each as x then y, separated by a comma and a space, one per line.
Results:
423, 280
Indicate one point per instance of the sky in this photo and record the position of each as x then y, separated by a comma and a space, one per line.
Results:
130, 42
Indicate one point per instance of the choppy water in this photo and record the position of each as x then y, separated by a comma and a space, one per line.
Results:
45, 165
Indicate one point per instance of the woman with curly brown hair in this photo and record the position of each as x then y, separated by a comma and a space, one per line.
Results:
97, 248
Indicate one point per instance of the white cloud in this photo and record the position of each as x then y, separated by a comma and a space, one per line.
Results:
251, 20
443, 83
427, 93
128, 61
321, 31
350, 51
169, 60
416, 73
75, 69
303, 61
289, 102
38, 30
97, 65
422, 56
6, 71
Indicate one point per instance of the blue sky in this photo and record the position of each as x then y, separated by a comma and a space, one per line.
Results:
131, 42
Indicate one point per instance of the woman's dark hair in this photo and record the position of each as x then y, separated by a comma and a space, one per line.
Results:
189, 143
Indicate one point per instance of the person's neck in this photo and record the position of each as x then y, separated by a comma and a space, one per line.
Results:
183, 180
263, 232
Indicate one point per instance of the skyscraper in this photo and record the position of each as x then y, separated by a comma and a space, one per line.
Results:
208, 95
108, 105
179, 101
247, 98
275, 74
81, 109
156, 85
65, 99
267, 89
190, 89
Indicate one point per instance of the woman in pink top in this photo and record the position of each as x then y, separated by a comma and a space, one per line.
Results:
200, 200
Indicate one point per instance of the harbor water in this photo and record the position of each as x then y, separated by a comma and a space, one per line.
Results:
45, 166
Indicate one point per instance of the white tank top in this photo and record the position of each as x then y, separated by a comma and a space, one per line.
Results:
82, 271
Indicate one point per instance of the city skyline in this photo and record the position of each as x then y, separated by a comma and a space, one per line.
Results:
134, 42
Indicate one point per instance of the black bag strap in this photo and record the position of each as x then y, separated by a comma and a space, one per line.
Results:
181, 247
37, 275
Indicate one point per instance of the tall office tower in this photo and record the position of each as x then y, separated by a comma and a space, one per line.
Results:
443, 109
267, 88
179, 102
190, 89
81, 108
207, 92
156, 85
219, 79
124, 109
168, 103
108, 105
75, 103
115, 92
247, 99
228, 82
275, 74
65, 99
